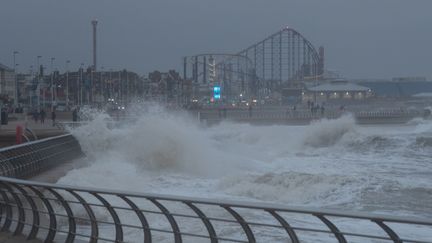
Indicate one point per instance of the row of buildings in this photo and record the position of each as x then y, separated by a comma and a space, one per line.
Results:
88, 87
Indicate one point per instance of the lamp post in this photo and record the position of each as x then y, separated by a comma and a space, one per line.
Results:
111, 84
30, 92
80, 84
102, 85
52, 86
120, 89
67, 83
15, 79
38, 75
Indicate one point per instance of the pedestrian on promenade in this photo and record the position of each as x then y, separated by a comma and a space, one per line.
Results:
53, 116
75, 115
250, 110
36, 116
42, 116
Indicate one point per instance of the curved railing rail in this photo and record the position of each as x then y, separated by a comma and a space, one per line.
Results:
31, 158
54, 212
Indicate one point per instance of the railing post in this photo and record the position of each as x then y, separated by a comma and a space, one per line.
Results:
171, 220
205, 220
249, 234
118, 226
143, 220
393, 236
332, 227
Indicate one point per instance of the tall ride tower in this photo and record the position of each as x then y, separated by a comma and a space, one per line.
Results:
94, 23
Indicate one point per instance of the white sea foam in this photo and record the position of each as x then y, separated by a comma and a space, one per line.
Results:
330, 163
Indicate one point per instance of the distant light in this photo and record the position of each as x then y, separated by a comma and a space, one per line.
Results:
216, 92
241, 95
247, 104
254, 101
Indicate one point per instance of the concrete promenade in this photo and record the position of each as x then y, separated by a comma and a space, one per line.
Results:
41, 130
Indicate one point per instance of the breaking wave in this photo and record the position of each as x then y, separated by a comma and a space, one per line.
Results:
327, 163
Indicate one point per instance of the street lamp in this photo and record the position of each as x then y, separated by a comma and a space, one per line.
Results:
15, 79
30, 92
80, 94
52, 86
102, 85
38, 75
67, 83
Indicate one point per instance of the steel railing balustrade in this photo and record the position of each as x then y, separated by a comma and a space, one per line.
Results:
25, 203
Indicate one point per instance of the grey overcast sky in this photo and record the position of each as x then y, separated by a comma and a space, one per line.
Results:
363, 38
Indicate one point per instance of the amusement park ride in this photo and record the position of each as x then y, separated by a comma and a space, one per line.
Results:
283, 60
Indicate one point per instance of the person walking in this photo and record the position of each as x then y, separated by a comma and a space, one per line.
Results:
75, 115
42, 116
53, 117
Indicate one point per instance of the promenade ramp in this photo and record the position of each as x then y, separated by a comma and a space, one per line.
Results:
34, 209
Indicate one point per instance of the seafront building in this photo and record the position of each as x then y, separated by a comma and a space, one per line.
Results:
336, 90
7, 83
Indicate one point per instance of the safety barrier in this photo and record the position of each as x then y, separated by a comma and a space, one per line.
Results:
54, 212
302, 114
25, 160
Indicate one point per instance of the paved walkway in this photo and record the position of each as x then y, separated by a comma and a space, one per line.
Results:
41, 130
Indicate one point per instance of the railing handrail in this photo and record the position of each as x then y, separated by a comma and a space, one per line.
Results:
231, 203
33, 142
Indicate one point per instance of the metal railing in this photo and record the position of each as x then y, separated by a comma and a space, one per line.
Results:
25, 160
243, 114
54, 212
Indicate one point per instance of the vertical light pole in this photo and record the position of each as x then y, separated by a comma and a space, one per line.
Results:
81, 84
30, 92
111, 85
127, 87
121, 89
94, 23
102, 85
67, 83
52, 84
38, 76
15, 79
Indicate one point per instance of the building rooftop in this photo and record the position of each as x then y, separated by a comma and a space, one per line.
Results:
4, 67
338, 86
